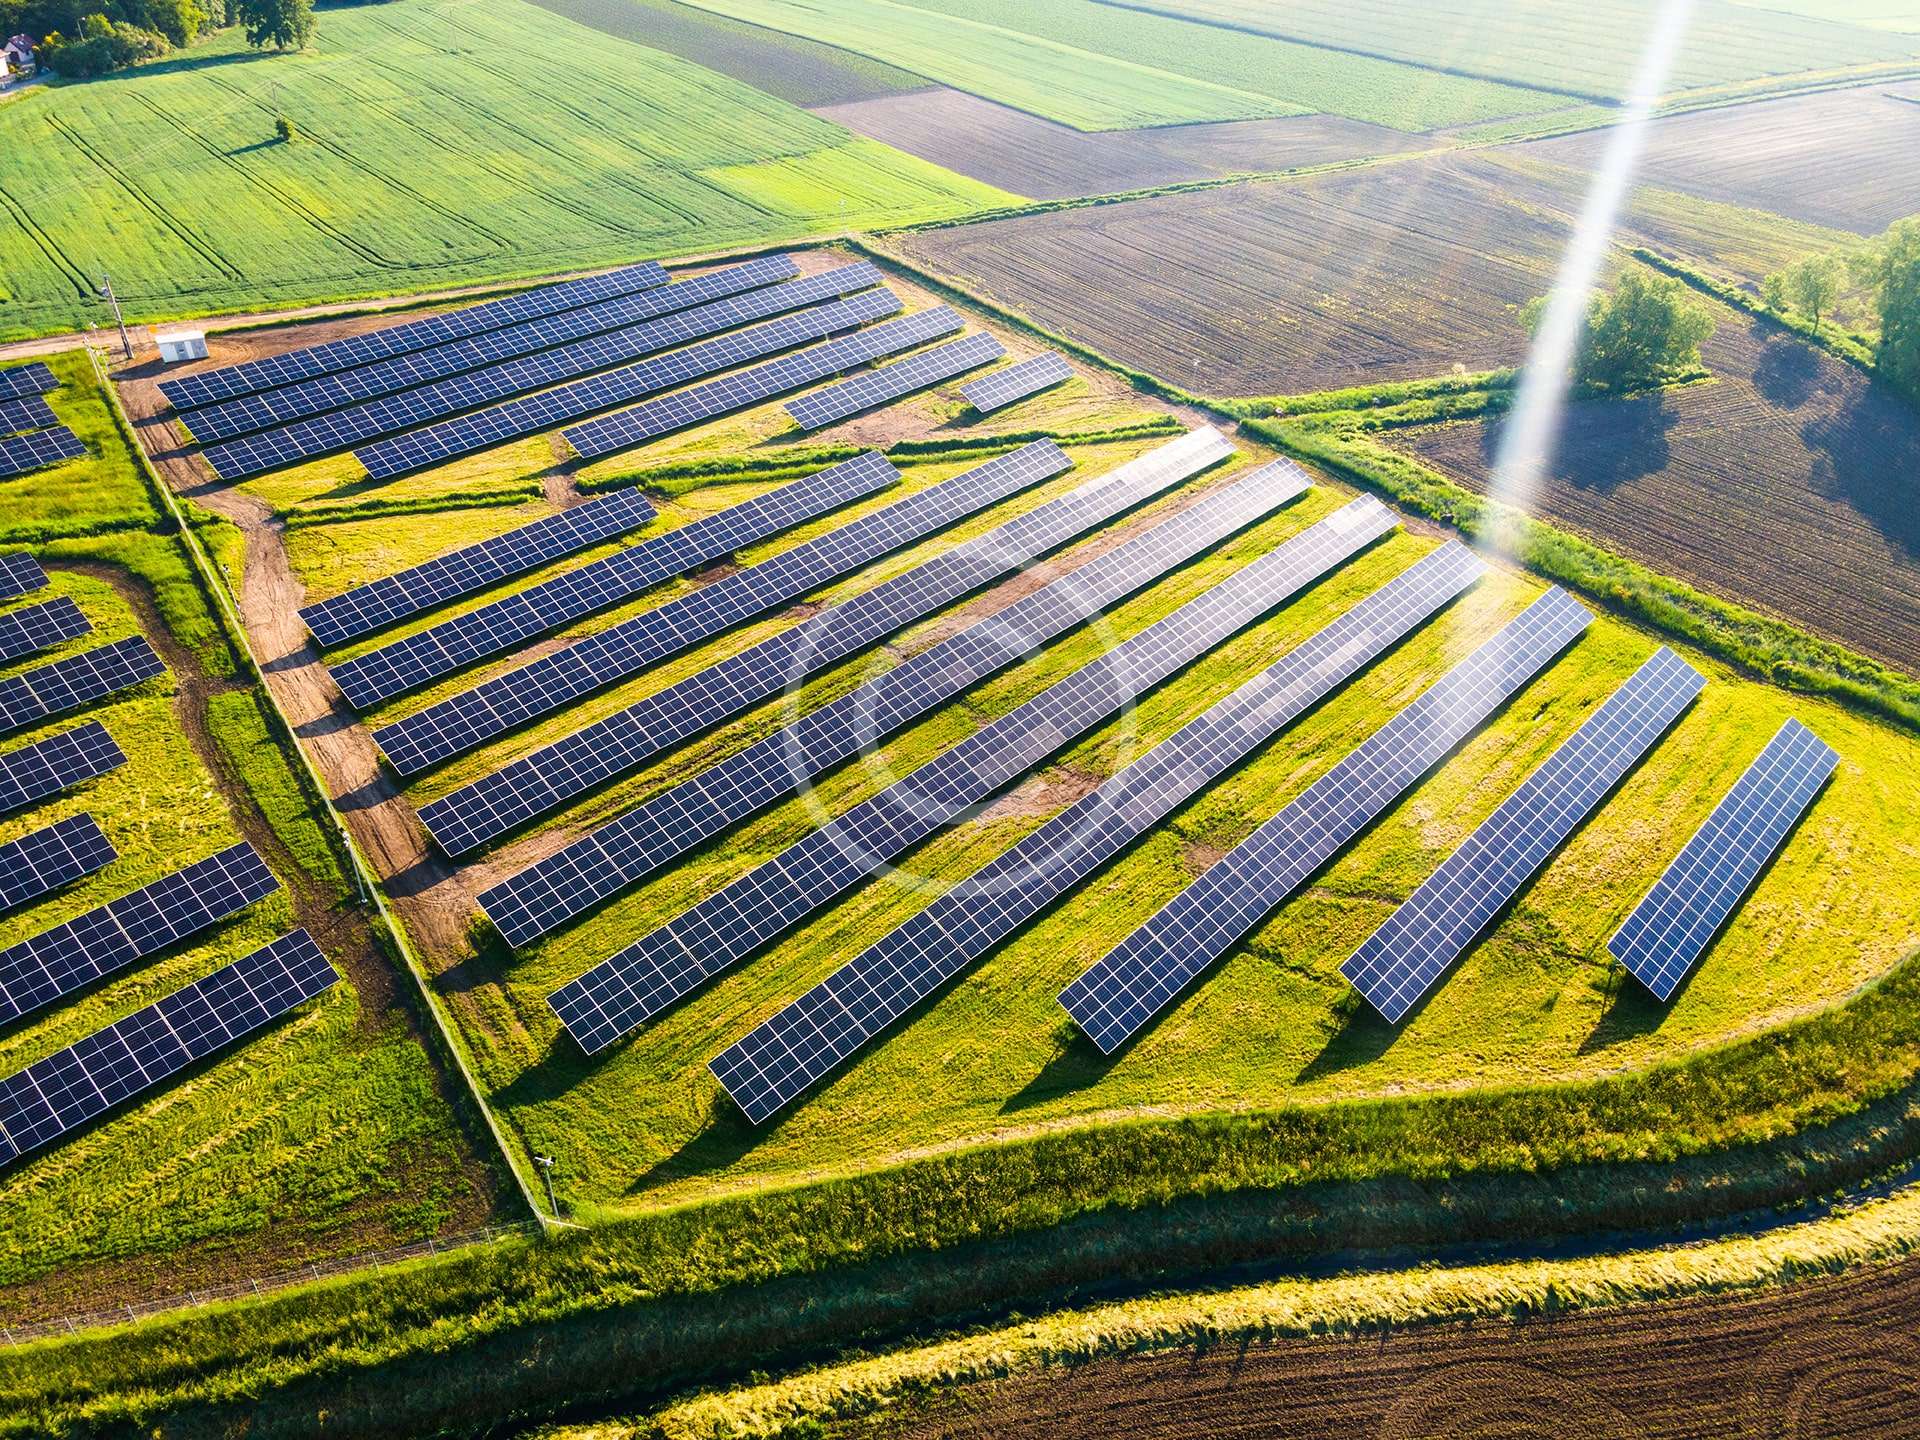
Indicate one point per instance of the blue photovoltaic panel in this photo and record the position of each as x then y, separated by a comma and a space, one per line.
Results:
20, 573
21, 453
211, 386
75, 681
1671, 928
892, 382
720, 931
56, 763
39, 627
379, 603
1116, 996
41, 861
408, 410
29, 412
463, 640
57, 962
620, 853
55, 1096
786, 1055
1401, 960
1016, 382
23, 380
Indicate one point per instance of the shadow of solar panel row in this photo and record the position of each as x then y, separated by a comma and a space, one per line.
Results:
535, 414
23, 380
892, 382
21, 453
76, 681
46, 767
624, 851
1016, 382
27, 413
1114, 998
1670, 929
209, 387
411, 409
477, 352
1396, 965
671, 962
380, 603
55, 1096
37, 627
20, 573
496, 706
493, 629
794, 1050
611, 434
58, 962
41, 861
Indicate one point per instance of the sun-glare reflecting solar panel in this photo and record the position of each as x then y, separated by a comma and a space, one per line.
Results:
380, 603
27, 413
893, 382
622, 852
41, 861
408, 410
24, 380
1400, 961
1116, 996
1016, 382
672, 961
60, 961
625, 314
611, 434
19, 574
798, 1047
1672, 926
493, 629
603, 659
21, 453
38, 627
46, 767
209, 387
78, 680
55, 1096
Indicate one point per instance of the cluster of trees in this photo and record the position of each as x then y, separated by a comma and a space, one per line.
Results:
84, 38
1873, 288
1648, 330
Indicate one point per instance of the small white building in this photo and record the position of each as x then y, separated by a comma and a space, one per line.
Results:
178, 345
16, 60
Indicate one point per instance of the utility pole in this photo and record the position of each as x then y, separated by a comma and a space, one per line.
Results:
106, 291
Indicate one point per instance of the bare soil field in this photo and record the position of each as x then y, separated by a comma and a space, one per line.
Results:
1020, 152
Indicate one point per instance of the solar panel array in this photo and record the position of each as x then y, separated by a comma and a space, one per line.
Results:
1400, 961
20, 573
34, 379
75, 681
496, 706
36, 627
21, 453
55, 1096
1016, 382
56, 763
620, 853
1672, 926
1116, 996
209, 387
410, 409
57, 962
454, 644
30, 412
891, 382
669, 963
611, 434
41, 861
380, 603
788, 1054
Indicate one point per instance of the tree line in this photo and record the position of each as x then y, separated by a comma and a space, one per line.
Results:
1872, 288
85, 38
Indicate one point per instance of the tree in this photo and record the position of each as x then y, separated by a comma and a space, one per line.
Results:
284, 24
283, 127
1812, 286
1646, 331
1891, 270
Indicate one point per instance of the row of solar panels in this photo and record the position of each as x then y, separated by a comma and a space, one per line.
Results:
31, 437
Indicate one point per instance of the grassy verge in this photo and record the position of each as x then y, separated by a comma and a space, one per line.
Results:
1841, 344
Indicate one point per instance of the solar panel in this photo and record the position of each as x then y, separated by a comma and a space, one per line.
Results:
212, 386
36, 627
60, 961
21, 453
453, 644
41, 861
496, 706
620, 853
671, 962
49, 766
1017, 382
1672, 926
1117, 995
892, 382
380, 603
624, 313
19, 573
75, 681
786, 1055
303, 439
29, 412
611, 434
22, 380
535, 414
55, 1096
